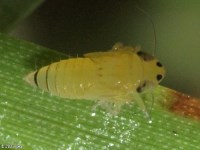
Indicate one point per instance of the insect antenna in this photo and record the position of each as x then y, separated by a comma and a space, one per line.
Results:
152, 23
154, 51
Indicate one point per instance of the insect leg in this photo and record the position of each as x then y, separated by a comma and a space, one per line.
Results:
111, 105
141, 104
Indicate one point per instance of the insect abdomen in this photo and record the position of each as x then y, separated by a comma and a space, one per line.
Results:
67, 78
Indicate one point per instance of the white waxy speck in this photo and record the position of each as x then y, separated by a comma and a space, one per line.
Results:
81, 85
78, 126
150, 121
111, 144
93, 114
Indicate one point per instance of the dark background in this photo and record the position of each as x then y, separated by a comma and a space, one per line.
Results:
77, 26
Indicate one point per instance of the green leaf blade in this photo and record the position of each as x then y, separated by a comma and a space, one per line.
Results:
37, 120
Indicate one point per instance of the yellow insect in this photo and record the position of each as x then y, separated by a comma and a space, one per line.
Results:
112, 78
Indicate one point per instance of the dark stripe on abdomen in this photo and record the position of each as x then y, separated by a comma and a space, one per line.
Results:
35, 78
47, 78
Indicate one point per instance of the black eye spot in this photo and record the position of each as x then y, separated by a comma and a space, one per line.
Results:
139, 89
159, 64
159, 77
145, 56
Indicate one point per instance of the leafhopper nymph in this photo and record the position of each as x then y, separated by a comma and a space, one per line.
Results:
112, 78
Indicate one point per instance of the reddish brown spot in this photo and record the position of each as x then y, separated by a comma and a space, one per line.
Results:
186, 105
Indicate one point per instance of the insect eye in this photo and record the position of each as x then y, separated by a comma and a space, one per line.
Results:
145, 56
159, 64
159, 77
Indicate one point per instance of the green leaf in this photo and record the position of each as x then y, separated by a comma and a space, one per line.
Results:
12, 12
35, 120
